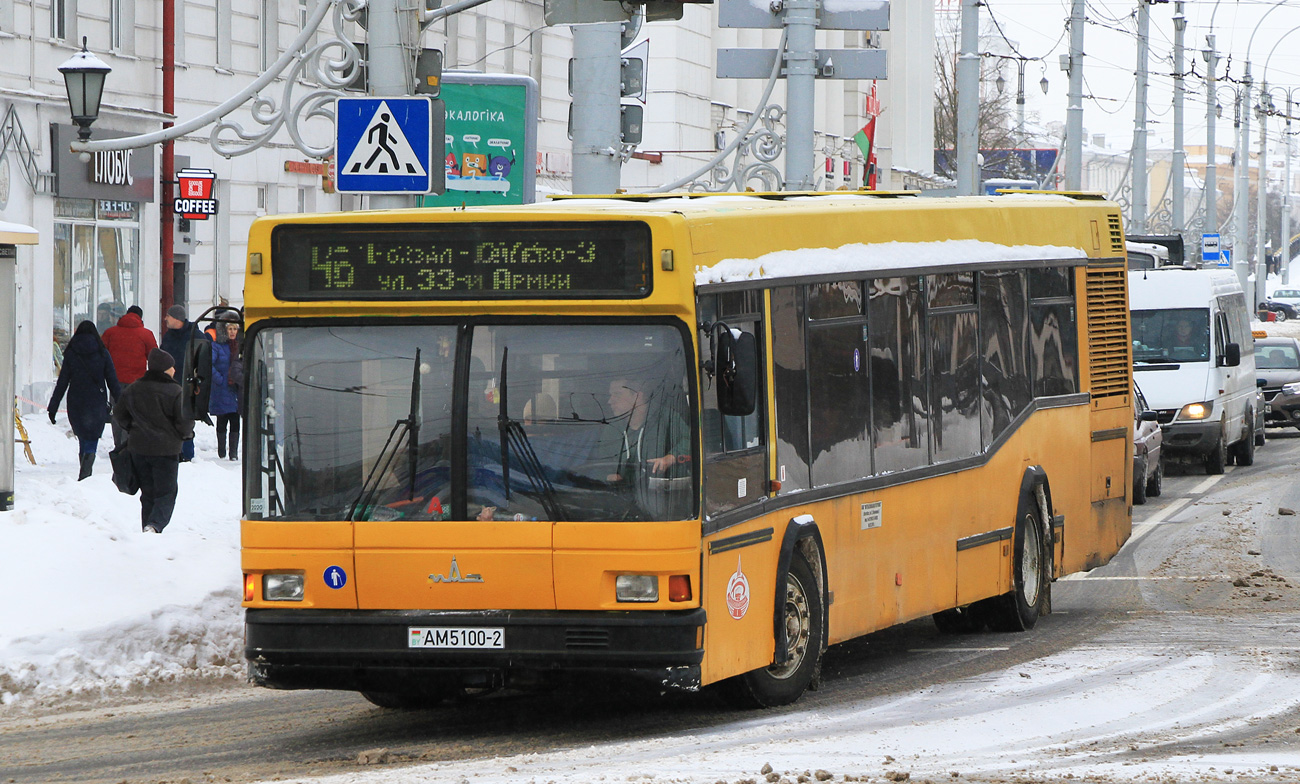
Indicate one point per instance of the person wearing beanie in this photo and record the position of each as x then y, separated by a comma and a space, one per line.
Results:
129, 343
151, 412
191, 350
86, 374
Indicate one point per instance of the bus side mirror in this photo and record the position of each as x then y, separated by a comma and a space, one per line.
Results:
736, 363
1232, 355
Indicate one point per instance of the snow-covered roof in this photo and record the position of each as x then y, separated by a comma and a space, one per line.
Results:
884, 256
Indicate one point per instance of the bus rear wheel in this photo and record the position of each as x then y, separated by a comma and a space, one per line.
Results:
803, 618
1018, 610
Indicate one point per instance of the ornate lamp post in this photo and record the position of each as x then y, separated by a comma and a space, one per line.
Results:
83, 75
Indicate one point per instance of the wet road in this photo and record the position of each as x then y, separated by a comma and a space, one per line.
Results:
1189, 635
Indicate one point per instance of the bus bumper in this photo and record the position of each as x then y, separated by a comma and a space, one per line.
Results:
368, 650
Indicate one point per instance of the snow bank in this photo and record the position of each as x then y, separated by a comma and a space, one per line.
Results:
93, 606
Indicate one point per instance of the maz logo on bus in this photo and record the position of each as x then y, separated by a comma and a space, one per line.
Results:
454, 576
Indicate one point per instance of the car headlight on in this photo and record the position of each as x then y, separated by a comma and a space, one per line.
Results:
282, 587
636, 588
1196, 410
1291, 389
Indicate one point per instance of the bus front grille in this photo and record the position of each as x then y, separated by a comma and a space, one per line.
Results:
586, 639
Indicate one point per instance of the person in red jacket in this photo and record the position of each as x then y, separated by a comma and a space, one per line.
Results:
129, 343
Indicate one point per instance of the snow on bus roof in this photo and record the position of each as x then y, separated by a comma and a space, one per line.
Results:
876, 256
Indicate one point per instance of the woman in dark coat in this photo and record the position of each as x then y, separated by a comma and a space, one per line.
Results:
227, 380
86, 374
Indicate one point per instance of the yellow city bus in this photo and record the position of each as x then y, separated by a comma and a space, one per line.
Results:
688, 440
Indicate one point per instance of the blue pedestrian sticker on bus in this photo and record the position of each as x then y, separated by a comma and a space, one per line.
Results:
335, 577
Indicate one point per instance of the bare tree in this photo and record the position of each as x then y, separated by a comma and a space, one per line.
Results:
996, 123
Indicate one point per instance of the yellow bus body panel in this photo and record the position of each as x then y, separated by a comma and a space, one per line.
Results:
907, 567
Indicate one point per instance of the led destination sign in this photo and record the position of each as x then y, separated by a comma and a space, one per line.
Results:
461, 261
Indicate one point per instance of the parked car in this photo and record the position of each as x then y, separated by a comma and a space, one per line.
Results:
1282, 311
1277, 365
1148, 457
1288, 296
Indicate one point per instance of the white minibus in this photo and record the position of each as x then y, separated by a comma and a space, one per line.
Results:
1194, 357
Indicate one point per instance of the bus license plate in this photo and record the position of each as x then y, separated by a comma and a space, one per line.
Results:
449, 637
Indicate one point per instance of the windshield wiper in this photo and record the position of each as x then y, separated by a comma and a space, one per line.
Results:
514, 439
409, 428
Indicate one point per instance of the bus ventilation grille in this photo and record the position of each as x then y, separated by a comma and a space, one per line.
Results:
586, 639
1109, 359
1116, 234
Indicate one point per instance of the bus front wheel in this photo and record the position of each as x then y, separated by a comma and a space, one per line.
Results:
803, 619
1018, 610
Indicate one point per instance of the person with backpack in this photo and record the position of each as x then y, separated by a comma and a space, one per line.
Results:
89, 379
191, 351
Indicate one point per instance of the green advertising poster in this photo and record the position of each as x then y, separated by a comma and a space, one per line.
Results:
490, 140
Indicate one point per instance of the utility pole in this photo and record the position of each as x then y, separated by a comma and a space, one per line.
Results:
1210, 223
800, 21
1180, 155
1241, 195
1074, 107
1261, 191
392, 30
597, 136
1285, 250
1138, 158
968, 101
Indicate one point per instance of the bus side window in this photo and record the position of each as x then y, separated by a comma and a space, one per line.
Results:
1004, 363
899, 401
1053, 334
839, 377
735, 454
789, 368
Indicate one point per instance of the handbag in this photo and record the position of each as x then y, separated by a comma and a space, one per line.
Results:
124, 476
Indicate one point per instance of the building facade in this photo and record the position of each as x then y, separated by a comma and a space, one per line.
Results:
100, 220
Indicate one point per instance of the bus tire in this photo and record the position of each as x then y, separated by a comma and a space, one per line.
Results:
782, 684
1018, 610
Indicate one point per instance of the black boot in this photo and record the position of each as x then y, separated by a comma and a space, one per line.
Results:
221, 447
87, 465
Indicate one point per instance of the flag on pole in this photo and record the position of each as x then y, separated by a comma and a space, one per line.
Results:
866, 140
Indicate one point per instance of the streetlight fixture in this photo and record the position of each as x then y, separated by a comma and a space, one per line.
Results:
83, 74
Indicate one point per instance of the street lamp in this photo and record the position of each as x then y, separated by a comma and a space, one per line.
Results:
83, 74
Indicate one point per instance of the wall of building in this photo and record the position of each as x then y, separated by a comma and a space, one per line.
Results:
223, 45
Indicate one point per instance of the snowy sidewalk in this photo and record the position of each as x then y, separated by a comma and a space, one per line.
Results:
95, 607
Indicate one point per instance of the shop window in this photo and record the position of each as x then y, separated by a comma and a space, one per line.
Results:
96, 263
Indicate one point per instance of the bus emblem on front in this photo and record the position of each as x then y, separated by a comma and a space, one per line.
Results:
454, 576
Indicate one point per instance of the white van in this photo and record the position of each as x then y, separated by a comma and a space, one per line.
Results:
1194, 357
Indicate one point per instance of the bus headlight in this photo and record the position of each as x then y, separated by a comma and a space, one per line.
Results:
636, 588
1196, 410
282, 587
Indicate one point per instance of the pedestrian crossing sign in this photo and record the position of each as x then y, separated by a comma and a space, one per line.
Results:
385, 145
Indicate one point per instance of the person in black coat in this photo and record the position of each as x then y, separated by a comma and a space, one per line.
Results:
86, 374
191, 350
153, 416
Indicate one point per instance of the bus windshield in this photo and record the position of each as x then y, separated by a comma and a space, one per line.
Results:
1174, 335
486, 422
